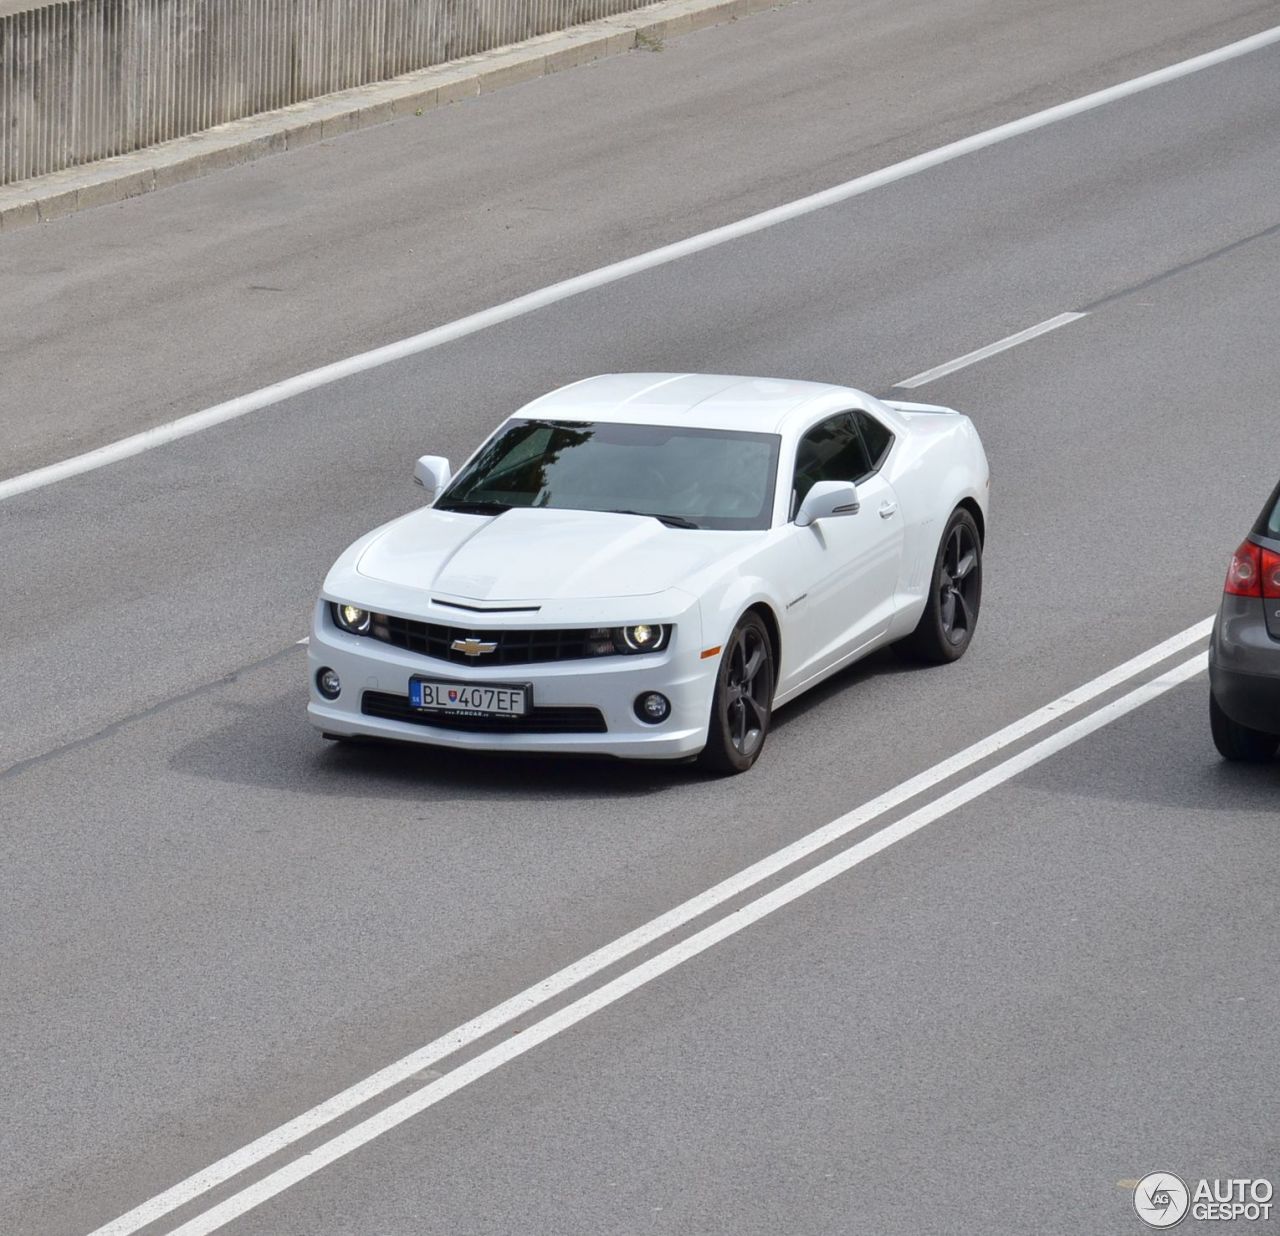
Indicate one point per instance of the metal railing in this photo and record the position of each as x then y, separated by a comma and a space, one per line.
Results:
86, 79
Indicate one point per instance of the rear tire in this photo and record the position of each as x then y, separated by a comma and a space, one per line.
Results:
743, 704
1239, 743
950, 616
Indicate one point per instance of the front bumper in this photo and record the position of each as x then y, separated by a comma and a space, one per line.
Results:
1244, 665
609, 685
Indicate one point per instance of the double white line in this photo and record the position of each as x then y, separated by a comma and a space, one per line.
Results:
403, 1070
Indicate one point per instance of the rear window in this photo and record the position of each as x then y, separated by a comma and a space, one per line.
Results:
1269, 524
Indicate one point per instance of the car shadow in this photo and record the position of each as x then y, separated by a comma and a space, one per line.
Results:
269, 743
884, 663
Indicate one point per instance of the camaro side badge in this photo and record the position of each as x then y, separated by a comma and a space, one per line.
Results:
473, 647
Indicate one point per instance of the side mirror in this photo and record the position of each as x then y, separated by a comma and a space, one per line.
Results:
432, 473
828, 500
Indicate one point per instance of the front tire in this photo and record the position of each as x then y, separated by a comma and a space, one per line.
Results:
950, 616
743, 703
1239, 743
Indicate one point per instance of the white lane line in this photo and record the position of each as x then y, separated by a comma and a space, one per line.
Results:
306, 639
1002, 345
432, 1093
563, 980
223, 412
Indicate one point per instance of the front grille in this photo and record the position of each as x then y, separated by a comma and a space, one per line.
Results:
537, 721
513, 647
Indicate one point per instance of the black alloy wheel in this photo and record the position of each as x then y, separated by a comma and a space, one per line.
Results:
960, 582
743, 703
955, 595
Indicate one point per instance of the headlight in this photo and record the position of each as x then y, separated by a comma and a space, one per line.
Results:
352, 619
644, 637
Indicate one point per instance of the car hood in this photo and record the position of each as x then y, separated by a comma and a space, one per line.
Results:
537, 555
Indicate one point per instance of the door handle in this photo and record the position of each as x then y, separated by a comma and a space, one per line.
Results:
888, 510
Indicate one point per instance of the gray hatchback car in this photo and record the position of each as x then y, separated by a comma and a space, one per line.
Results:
1244, 655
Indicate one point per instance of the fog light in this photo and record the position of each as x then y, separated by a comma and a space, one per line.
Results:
652, 707
328, 683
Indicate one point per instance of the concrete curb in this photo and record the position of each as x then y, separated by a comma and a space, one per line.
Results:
242, 141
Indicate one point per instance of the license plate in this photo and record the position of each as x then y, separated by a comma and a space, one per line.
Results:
469, 699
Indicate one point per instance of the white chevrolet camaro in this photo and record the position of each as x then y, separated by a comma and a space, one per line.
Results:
649, 565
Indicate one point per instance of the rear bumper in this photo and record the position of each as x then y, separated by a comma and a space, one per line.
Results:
1244, 665
1249, 701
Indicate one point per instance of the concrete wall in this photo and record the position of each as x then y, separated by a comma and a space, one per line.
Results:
85, 79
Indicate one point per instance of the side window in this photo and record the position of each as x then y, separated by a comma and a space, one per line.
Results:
877, 437
830, 451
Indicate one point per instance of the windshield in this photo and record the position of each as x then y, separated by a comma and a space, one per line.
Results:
689, 478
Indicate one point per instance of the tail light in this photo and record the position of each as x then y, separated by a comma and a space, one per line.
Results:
1270, 575
1254, 572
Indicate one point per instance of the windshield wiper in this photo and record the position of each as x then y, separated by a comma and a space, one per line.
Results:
474, 508
672, 521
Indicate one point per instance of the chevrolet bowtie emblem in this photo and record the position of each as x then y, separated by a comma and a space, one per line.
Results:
473, 647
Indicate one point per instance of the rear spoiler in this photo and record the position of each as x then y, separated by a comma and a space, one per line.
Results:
910, 408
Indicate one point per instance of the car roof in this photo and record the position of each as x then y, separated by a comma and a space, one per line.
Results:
702, 401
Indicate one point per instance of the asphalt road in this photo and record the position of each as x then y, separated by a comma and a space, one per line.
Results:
124, 317
213, 921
